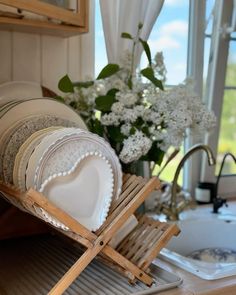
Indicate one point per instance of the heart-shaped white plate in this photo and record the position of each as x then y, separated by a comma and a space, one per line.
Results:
84, 192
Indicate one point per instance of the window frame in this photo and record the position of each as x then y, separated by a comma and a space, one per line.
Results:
215, 90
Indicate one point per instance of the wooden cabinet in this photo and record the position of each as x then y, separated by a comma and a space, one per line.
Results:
53, 17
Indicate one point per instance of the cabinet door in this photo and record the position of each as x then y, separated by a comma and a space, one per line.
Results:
59, 10
68, 14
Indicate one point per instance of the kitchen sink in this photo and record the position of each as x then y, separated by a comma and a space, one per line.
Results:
206, 245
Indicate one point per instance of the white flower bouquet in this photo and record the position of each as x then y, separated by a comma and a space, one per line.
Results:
132, 110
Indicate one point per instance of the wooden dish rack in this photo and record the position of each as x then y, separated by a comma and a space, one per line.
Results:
132, 256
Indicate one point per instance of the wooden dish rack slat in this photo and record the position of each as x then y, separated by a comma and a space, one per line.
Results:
132, 256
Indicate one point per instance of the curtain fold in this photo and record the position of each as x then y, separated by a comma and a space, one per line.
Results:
124, 16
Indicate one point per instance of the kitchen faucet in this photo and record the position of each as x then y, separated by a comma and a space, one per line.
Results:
172, 209
218, 202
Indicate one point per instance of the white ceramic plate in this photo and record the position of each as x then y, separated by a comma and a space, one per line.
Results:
84, 192
4, 141
61, 155
5, 106
24, 153
40, 149
19, 90
37, 106
20, 134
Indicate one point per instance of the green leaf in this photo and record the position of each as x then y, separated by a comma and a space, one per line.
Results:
145, 130
147, 50
130, 83
108, 71
73, 104
149, 74
115, 134
59, 98
65, 84
138, 123
83, 84
96, 127
132, 130
112, 92
126, 36
155, 154
104, 102
140, 25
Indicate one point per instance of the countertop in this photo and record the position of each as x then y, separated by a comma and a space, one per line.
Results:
195, 285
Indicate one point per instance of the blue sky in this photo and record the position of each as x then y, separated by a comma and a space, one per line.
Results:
169, 35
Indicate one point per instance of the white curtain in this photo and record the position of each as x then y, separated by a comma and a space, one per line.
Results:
124, 16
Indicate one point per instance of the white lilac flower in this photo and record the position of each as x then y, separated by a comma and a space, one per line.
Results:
159, 59
125, 129
139, 110
129, 115
90, 93
180, 119
167, 115
159, 66
117, 83
138, 85
71, 97
155, 118
126, 60
117, 108
172, 137
110, 119
158, 134
207, 122
135, 147
128, 98
101, 87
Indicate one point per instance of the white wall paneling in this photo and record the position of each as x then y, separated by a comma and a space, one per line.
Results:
45, 59
5, 56
25, 57
54, 60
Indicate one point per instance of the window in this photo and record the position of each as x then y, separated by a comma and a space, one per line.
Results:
221, 94
227, 137
170, 35
100, 47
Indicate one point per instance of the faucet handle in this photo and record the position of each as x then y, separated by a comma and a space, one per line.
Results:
218, 203
225, 203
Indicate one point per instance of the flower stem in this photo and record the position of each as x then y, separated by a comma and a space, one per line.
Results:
132, 59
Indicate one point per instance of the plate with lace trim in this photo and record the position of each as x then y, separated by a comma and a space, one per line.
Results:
62, 154
84, 192
24, 153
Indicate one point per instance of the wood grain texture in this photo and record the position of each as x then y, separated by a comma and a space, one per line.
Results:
97, 244
49, 10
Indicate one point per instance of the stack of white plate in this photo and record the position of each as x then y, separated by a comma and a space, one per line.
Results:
46, 145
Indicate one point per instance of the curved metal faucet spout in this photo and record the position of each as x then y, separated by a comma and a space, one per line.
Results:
175, 210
